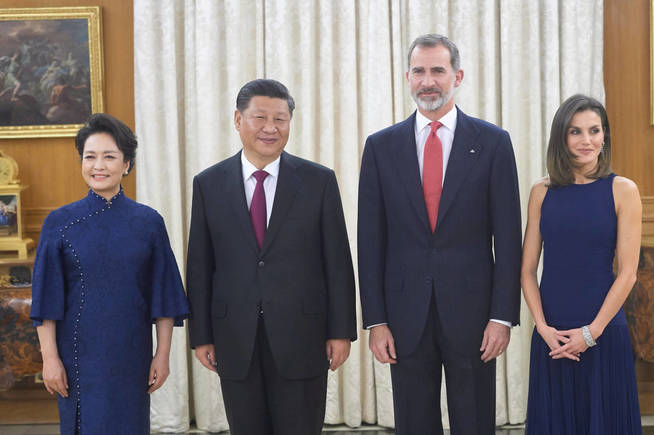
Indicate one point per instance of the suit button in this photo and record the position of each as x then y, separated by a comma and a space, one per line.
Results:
262, 263
428, 281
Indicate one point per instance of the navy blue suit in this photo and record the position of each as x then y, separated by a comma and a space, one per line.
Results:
443, 286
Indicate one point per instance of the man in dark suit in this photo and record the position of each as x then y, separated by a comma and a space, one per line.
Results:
439, 250
269, 274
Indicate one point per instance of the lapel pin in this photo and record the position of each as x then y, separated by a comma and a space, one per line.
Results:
472, 151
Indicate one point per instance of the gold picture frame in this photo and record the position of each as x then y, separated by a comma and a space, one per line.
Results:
51, 70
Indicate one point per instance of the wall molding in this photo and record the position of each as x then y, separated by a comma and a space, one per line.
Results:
34, 217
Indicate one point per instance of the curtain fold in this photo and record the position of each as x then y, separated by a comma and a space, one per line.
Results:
344, 62
157, 113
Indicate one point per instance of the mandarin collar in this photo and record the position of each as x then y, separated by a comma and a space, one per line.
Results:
102, 201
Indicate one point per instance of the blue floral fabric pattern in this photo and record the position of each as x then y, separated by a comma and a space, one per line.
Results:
104, 270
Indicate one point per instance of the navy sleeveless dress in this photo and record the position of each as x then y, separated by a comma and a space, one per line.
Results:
596, 396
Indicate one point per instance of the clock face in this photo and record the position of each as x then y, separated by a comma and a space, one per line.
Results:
6, 171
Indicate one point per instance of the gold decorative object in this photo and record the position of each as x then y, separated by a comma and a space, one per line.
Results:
8, 170
11, 211
51, 70
5, 280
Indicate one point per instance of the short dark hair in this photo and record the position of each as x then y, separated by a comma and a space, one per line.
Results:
263, 88
121, 133
434, 40
560, 161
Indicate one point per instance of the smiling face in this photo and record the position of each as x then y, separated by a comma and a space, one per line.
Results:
103, 165
264, 127
432, 80
584, 137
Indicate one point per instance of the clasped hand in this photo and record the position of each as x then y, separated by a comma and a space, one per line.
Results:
564, 344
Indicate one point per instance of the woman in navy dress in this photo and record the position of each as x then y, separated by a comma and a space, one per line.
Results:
104, 272
582, 378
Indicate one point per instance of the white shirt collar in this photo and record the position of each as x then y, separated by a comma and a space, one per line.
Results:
448, 120
271, 168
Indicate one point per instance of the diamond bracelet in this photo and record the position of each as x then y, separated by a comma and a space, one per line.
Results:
588, 338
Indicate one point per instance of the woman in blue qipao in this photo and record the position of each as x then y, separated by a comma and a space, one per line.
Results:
581, 377
104, 272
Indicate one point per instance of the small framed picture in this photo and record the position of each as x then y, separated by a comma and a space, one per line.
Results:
8, 215
11, 221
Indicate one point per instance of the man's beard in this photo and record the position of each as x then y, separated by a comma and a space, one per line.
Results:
435, 104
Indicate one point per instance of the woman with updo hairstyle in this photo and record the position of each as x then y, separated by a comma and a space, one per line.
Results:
104, 273
582, 216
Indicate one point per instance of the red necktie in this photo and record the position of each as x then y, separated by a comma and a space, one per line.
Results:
258, 207
432, 173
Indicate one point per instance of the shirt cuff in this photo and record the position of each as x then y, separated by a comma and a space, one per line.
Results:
503, 322
376, 324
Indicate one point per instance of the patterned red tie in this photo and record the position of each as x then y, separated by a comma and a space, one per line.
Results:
258, 207
432, 173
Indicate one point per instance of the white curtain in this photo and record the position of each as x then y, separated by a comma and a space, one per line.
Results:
344, 62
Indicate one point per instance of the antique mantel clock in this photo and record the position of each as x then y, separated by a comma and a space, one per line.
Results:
11, 216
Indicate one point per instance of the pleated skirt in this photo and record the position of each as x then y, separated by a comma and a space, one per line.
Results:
595, 396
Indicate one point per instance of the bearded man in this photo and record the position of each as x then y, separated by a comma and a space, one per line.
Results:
439, 250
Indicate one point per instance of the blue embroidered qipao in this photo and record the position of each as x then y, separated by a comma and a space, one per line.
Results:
104, 270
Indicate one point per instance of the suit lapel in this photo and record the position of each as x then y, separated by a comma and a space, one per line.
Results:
285, 192
236, 194
464, 154
410, 171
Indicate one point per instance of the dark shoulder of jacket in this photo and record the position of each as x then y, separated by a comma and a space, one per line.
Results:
306, 166
393, 132
485, 128
219, 168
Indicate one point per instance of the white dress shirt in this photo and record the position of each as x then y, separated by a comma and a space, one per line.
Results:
446, 134
269, 184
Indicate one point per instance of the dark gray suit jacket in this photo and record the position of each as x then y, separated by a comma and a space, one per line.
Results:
302, 277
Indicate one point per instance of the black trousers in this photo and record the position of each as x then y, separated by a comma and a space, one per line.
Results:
266, 403
416, 382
